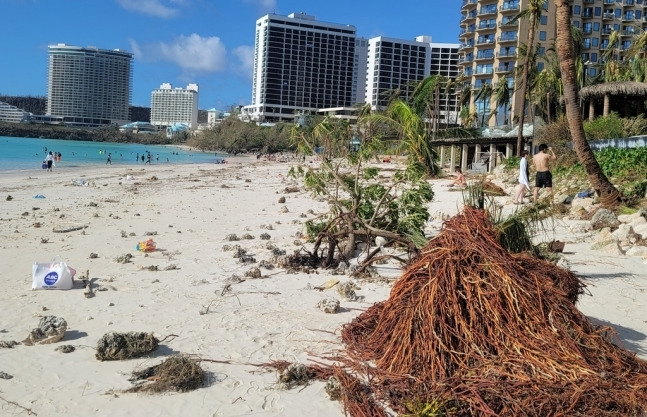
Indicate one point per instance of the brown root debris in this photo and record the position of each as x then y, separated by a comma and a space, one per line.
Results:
178, 373
472, 330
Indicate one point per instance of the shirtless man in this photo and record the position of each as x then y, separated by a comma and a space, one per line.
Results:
543, 179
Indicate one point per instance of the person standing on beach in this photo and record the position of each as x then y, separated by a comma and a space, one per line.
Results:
137, 158
109, 160
49, 159
543, 178
524, 173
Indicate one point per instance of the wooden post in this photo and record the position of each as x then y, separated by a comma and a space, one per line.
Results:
442, 156
591, 109
492, 163
607, 103
464, 159
452, 158
508, 150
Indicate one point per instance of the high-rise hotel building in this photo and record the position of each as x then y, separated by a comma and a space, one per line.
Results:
301, 65
89, 86
490, 39
170, 106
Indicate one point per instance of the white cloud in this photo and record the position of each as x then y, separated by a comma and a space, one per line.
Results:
245, 57
193, 53
155, 8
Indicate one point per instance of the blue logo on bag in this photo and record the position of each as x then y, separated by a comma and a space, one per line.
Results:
51, 278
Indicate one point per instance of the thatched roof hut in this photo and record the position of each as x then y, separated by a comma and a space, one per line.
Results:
631, 90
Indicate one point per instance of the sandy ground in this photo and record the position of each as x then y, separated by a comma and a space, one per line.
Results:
188, 211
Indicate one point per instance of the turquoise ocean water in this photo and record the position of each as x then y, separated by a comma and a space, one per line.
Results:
28, 153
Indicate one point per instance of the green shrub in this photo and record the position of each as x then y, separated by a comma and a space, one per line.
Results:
634, 126
608, 127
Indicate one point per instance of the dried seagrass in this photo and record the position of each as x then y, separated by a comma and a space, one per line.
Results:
178, 373
118, 346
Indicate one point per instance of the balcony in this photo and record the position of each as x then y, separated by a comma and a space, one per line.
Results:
607, 16
606, 31
469, 16
465, 60
483, 71
587, 14
468, 4
628, 18
487, 11
609, 1
507, 39
587, 30
466, 45
488, 41
466, 32
506, 54
485, 26
509, 23
628, 33
485, 57
627, 3
502, 69
509, 8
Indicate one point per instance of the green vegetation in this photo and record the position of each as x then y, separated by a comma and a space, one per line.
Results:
104, 134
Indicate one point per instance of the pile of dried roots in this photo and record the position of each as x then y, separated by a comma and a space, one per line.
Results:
178, 373
471, 330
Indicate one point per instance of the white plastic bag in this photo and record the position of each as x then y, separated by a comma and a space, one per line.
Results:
54, 275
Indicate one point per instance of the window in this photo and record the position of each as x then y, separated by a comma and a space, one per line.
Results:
542, 35
597, 11
543, 20
594, 57
541, 51
594, 42
577, 10
596, 26
540, 66
576, 23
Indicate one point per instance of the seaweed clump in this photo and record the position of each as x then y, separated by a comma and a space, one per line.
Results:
119, 346
178, 373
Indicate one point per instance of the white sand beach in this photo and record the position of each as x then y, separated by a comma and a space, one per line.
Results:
188, 210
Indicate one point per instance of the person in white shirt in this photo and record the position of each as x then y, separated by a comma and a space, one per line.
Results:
523, 186
50, 160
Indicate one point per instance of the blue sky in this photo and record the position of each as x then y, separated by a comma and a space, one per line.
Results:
208, 42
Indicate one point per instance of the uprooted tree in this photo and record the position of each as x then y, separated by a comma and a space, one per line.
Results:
365, 201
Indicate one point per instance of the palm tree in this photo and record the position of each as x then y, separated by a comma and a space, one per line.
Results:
533, 14
609, 195
484, 94
502, 98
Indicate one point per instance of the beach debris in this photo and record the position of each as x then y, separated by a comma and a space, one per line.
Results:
278, 251
347, 291
65, 349
231, 237
228, 248
247, 236
328, 305
171, 267
284, 209
8, 344
253, 273
25, 213
124, 259
150, 233
265, 264
9, 198
119, 346
93, 255
281, 200
92, 204
333, 388
238, 252
179, 373
265, 236
4, 375
146, 246
246, 259
39, 196
44, 240
68, 229
87, 292
50, 329
267, 227
327, 285
151, 268
295, 374
292, 189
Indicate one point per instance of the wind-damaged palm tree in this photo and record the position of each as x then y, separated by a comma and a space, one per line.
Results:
502, 98
484, 94
609, 196
532, 14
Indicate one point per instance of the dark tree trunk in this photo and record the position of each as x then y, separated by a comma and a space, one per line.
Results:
609, 196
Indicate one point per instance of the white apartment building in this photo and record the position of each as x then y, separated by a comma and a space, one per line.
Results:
12, 114
444, 61
393, 65
89, 86
171, 106
301, 65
